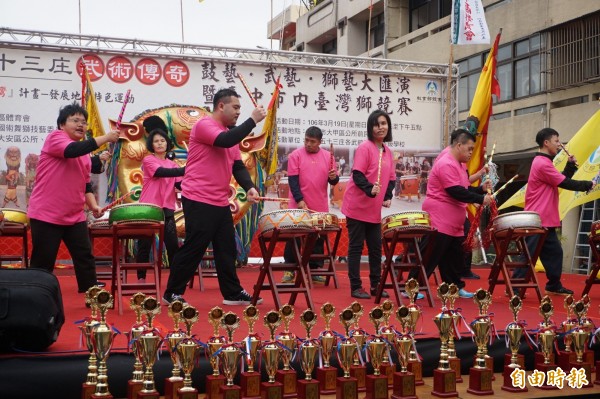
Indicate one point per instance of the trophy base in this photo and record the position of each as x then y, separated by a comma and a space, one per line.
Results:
480, 381
444, 384
588, 372
360, 373
102, 396
520, 360
404, 386
327, 380
544, 368
597, 382
271, 390
148, 395
133, 387
231, 391
539, 358
489, 364
87, 390
588, 357
187, 393
508, 381
377, 387
388, 370
308, 389
172, 384
213, 386
565, 358
454, 363
346, 388
288, 379
250, 384
415, 367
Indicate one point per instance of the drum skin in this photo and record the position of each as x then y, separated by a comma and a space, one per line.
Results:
14, 216
288, 219
135, 213
518, 221
408, 220
325, 221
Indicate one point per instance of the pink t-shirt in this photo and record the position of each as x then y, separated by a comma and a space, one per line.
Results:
159, 191
356, 204
313, 173
447, 214
208, 170
541, 195
58, 195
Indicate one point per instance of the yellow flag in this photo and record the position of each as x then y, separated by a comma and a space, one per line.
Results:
583, 145
268, 155
95, 127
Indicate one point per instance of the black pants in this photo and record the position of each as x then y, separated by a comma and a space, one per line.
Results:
448, 254
319, 249
46, 238
204, 224
170, 238
551, 256
358, 233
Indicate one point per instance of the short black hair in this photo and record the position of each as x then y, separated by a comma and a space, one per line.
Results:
372, 121
222, 95
545, 134
314, 132
159, 132
69, 110
461, 135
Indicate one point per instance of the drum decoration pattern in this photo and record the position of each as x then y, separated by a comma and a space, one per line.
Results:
135, 213
595, 229
325, 221
14, 216
408, 220
288, 219
518, 221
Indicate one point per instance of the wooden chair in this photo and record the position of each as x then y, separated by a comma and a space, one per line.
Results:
18, 230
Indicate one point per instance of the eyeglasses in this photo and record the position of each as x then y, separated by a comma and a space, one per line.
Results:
78, 121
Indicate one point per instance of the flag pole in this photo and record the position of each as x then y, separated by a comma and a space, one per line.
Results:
448, 97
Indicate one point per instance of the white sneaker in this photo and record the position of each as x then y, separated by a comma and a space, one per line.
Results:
419, 295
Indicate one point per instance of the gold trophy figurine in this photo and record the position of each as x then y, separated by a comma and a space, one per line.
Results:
89, 386
229, 356
187, 352
134, 385
376, 384
453, 360
580, 338
412, 290
546, 335
358, 370
389, 335
270, 355
444, 378
514, 332
215, 342
250, 379
326, 375
414, 363
480, 381
173, 338
308, 388
404, 381
287, 341
190, 316
102, 340
347, 386
147, 347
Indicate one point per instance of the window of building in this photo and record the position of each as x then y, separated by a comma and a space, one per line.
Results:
376, 30
330, 47
424, 12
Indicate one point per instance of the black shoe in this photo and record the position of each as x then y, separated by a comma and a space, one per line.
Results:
384, 293
470, 276
169, 298
559, 291
360, 294
243, 298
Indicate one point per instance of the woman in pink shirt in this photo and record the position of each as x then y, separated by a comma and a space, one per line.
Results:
371, 187
161, 177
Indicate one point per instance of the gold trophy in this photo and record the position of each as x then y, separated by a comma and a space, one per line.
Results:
250, 379
89, 386
480, 381
147, 347
287, 341
389, 335
453, 360
308, 388
229, 356
376, 384
404, 380
444, 378
580, 338
215, 342
358, 370
347, 386
326, 375
187, 352
546, 336
588, 325
102, 340
270, 355
134, 385
514, 332
414, 363
567, 356
173, 338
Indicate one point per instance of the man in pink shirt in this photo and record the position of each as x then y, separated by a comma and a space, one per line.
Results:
542, 197
213, 157
310, 170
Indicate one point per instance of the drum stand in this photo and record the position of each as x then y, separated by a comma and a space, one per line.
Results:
101, 232
205, 272
508, 259
327, 257
300, 285
593, 277
18, 230
121, 234
410, 238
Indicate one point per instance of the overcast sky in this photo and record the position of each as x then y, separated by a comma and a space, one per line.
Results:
235, 23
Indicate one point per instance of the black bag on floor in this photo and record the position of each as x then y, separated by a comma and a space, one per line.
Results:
31, 309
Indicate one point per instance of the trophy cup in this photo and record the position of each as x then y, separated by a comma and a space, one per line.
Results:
414, 363
358, 370
453, 360
480, 381
567, 356
89, 386
404, 380
173, 338
546, 336
326, 375
215, 342
308, 388
102, 340
250, 379
270, 355
187, 353
147, 348
376, 384
514, 332
229, 356
389, 335
444, 378
347, 386
580, 338
287, 341
134, 385
588, 325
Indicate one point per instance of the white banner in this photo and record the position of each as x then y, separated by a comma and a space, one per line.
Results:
468, 24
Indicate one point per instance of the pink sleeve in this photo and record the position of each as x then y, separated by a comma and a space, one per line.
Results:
361, 160
56, 144
205, 131
550, 175
451, 175
150, 164
293, 164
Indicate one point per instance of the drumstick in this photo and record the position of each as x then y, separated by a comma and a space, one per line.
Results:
247, 90
119, 200
119, 120
186, 146
331, 159
492, 154
272, 199
505, 185
567, 152
379, 166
